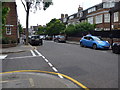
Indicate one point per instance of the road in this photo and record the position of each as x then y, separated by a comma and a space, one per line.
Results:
93, 68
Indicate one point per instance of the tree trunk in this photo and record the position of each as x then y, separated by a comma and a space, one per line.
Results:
27, 22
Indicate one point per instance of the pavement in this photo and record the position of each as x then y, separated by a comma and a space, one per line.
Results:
34, 80
73, 42
18, 48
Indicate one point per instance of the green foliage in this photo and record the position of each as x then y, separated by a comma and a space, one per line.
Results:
20, 28
46, 5
5, 11
70, 29
41, 30
82, 27
54, 27
7, 40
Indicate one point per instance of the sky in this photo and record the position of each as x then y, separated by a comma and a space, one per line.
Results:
59, 7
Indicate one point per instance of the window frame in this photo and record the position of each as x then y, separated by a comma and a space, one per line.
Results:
8, 32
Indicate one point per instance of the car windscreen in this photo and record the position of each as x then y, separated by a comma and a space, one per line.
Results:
97, 39
35, 37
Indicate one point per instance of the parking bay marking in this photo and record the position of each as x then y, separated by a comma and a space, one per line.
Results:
32, 52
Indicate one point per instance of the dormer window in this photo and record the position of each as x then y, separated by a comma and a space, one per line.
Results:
108, 4
91, 10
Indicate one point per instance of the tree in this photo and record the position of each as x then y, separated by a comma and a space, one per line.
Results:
41, 30
84, 26
33, 4
70, 29
54, 27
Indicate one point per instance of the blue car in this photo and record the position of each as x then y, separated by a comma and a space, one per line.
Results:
94, 42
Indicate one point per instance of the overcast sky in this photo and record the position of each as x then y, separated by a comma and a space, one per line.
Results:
54, 11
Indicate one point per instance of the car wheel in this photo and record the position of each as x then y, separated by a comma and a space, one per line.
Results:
115, 50
94, 46
81, 44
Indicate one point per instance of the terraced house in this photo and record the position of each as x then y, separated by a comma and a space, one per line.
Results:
99, 15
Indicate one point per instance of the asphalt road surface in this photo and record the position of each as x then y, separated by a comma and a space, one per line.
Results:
93, 68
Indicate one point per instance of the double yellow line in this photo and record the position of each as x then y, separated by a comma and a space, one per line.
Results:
69, 78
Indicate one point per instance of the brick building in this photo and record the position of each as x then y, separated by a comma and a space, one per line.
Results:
98, 15
11, 21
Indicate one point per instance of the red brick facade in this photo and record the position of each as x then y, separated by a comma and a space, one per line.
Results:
11, 21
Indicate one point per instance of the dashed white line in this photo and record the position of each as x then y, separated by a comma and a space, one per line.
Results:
46, 60
50, 64
54, 69
43, 57
32, 52
37, 52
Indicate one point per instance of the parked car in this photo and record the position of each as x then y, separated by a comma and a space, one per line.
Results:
94, 42
35, 40
59, 38
48, 38
42, 36
116, 47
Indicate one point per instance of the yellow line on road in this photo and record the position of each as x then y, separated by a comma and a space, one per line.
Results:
69, 78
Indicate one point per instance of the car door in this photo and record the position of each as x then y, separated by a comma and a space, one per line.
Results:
84, 41
90, 41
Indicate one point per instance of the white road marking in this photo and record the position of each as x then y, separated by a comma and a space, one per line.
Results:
31, 82
43, 57
50, 64
37, 52
23, 57
60, 76
54, 69
46, 60
32, 52
3, 56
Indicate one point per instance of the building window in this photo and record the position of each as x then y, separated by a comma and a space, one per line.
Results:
108, 4
8, 30
106, 18
91, 10
90, 20
116, 17
99, 19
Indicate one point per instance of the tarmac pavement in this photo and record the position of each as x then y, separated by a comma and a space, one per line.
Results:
34, 80
18, 48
